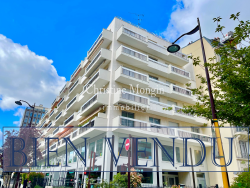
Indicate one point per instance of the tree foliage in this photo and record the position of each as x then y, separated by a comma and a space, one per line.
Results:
230, 78
242, 180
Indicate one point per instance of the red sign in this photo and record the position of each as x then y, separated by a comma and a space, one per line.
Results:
127, 144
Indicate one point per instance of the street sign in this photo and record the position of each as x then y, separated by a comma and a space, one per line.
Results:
127, 144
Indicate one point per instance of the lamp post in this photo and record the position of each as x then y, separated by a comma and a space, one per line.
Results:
175, 48
30, 124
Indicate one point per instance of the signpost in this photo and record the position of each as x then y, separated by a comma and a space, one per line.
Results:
127, 144
127, 147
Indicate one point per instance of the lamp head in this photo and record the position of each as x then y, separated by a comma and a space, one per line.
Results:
173, 48
18, 103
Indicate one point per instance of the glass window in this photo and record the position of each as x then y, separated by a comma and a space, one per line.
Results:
153, 77
39, 115
99, 145
82, 150
35, 115
152, 57
127, 122
30, 114
172, 124
179, 155
171, 103
91, 148
34, 120
27, 113
123, 152
144, 146
197, 156
169, 149
37, 121
154, 120
147, 177
25, 120
29, 120
244, 149
70, 156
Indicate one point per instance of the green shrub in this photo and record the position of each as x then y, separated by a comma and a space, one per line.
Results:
37, 186
242, 181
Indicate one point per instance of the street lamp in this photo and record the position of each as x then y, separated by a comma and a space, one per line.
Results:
33, 107
175, 48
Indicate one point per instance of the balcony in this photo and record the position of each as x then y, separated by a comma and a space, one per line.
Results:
60, 117
128, 76
176, 113
126, 125
95, 102
72, 120
103, 40
61, 104
172, 91
101, 60
65, 87
127, 98
97, 81
136, 40
142, 61
241, 132
75, 88
77, 71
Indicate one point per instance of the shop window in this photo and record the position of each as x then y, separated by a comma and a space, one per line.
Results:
144, 146
99, 145
123, 152
91, 148
197, 156
169, 149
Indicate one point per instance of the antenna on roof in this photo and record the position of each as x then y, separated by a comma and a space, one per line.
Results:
139, 17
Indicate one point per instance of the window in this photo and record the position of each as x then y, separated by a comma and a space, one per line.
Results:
29, 120
70, 156
37, 121
169, 149
154, 120
35, 115
30, 114
39, 115
25, 120
178, 154
99, 145
82, 150
153, 77
144, 146
197, 156
151, 58
172, 124
34, 120
196, 130
244, 149
123, 152
171, 103
127, 122
154, 98
91, 148
27, 113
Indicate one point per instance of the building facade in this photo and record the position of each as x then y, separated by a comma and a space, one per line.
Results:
121, 88
38, 114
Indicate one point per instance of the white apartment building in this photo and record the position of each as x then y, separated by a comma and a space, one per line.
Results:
125, 56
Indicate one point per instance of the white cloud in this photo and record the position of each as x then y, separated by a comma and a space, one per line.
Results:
26, 76
185, 13
19, 113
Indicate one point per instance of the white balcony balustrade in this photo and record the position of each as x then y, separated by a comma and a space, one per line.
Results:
130, 77
142, 61
102, 58
132, 38
102, 41
127, 98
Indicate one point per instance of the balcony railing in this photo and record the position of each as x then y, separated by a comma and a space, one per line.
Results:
180, 71
181, 90
76, 70
89, 102
43, 124
134, 97
134, 53
60, 102
95, 43
53, 147
91, 81
134, 74
136, 35
181, 55
71, 102
159, 82
157, 128
87, 126
161, 104
63, 88
187, 134
124, 121
72, 87
178, 110
245, 155
52, 113
53, 101
241, 129
69, 119
58, 115
49, 125
157, 62
56, 130
93, 61
74, 134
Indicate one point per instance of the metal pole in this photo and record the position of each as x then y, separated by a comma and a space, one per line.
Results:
90, 170
214, 120
129, 153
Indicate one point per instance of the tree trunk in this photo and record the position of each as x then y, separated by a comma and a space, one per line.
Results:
17, 179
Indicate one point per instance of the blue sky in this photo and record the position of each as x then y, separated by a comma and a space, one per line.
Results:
42, 42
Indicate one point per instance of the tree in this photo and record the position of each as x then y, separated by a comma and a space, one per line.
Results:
242, 180
230, 79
